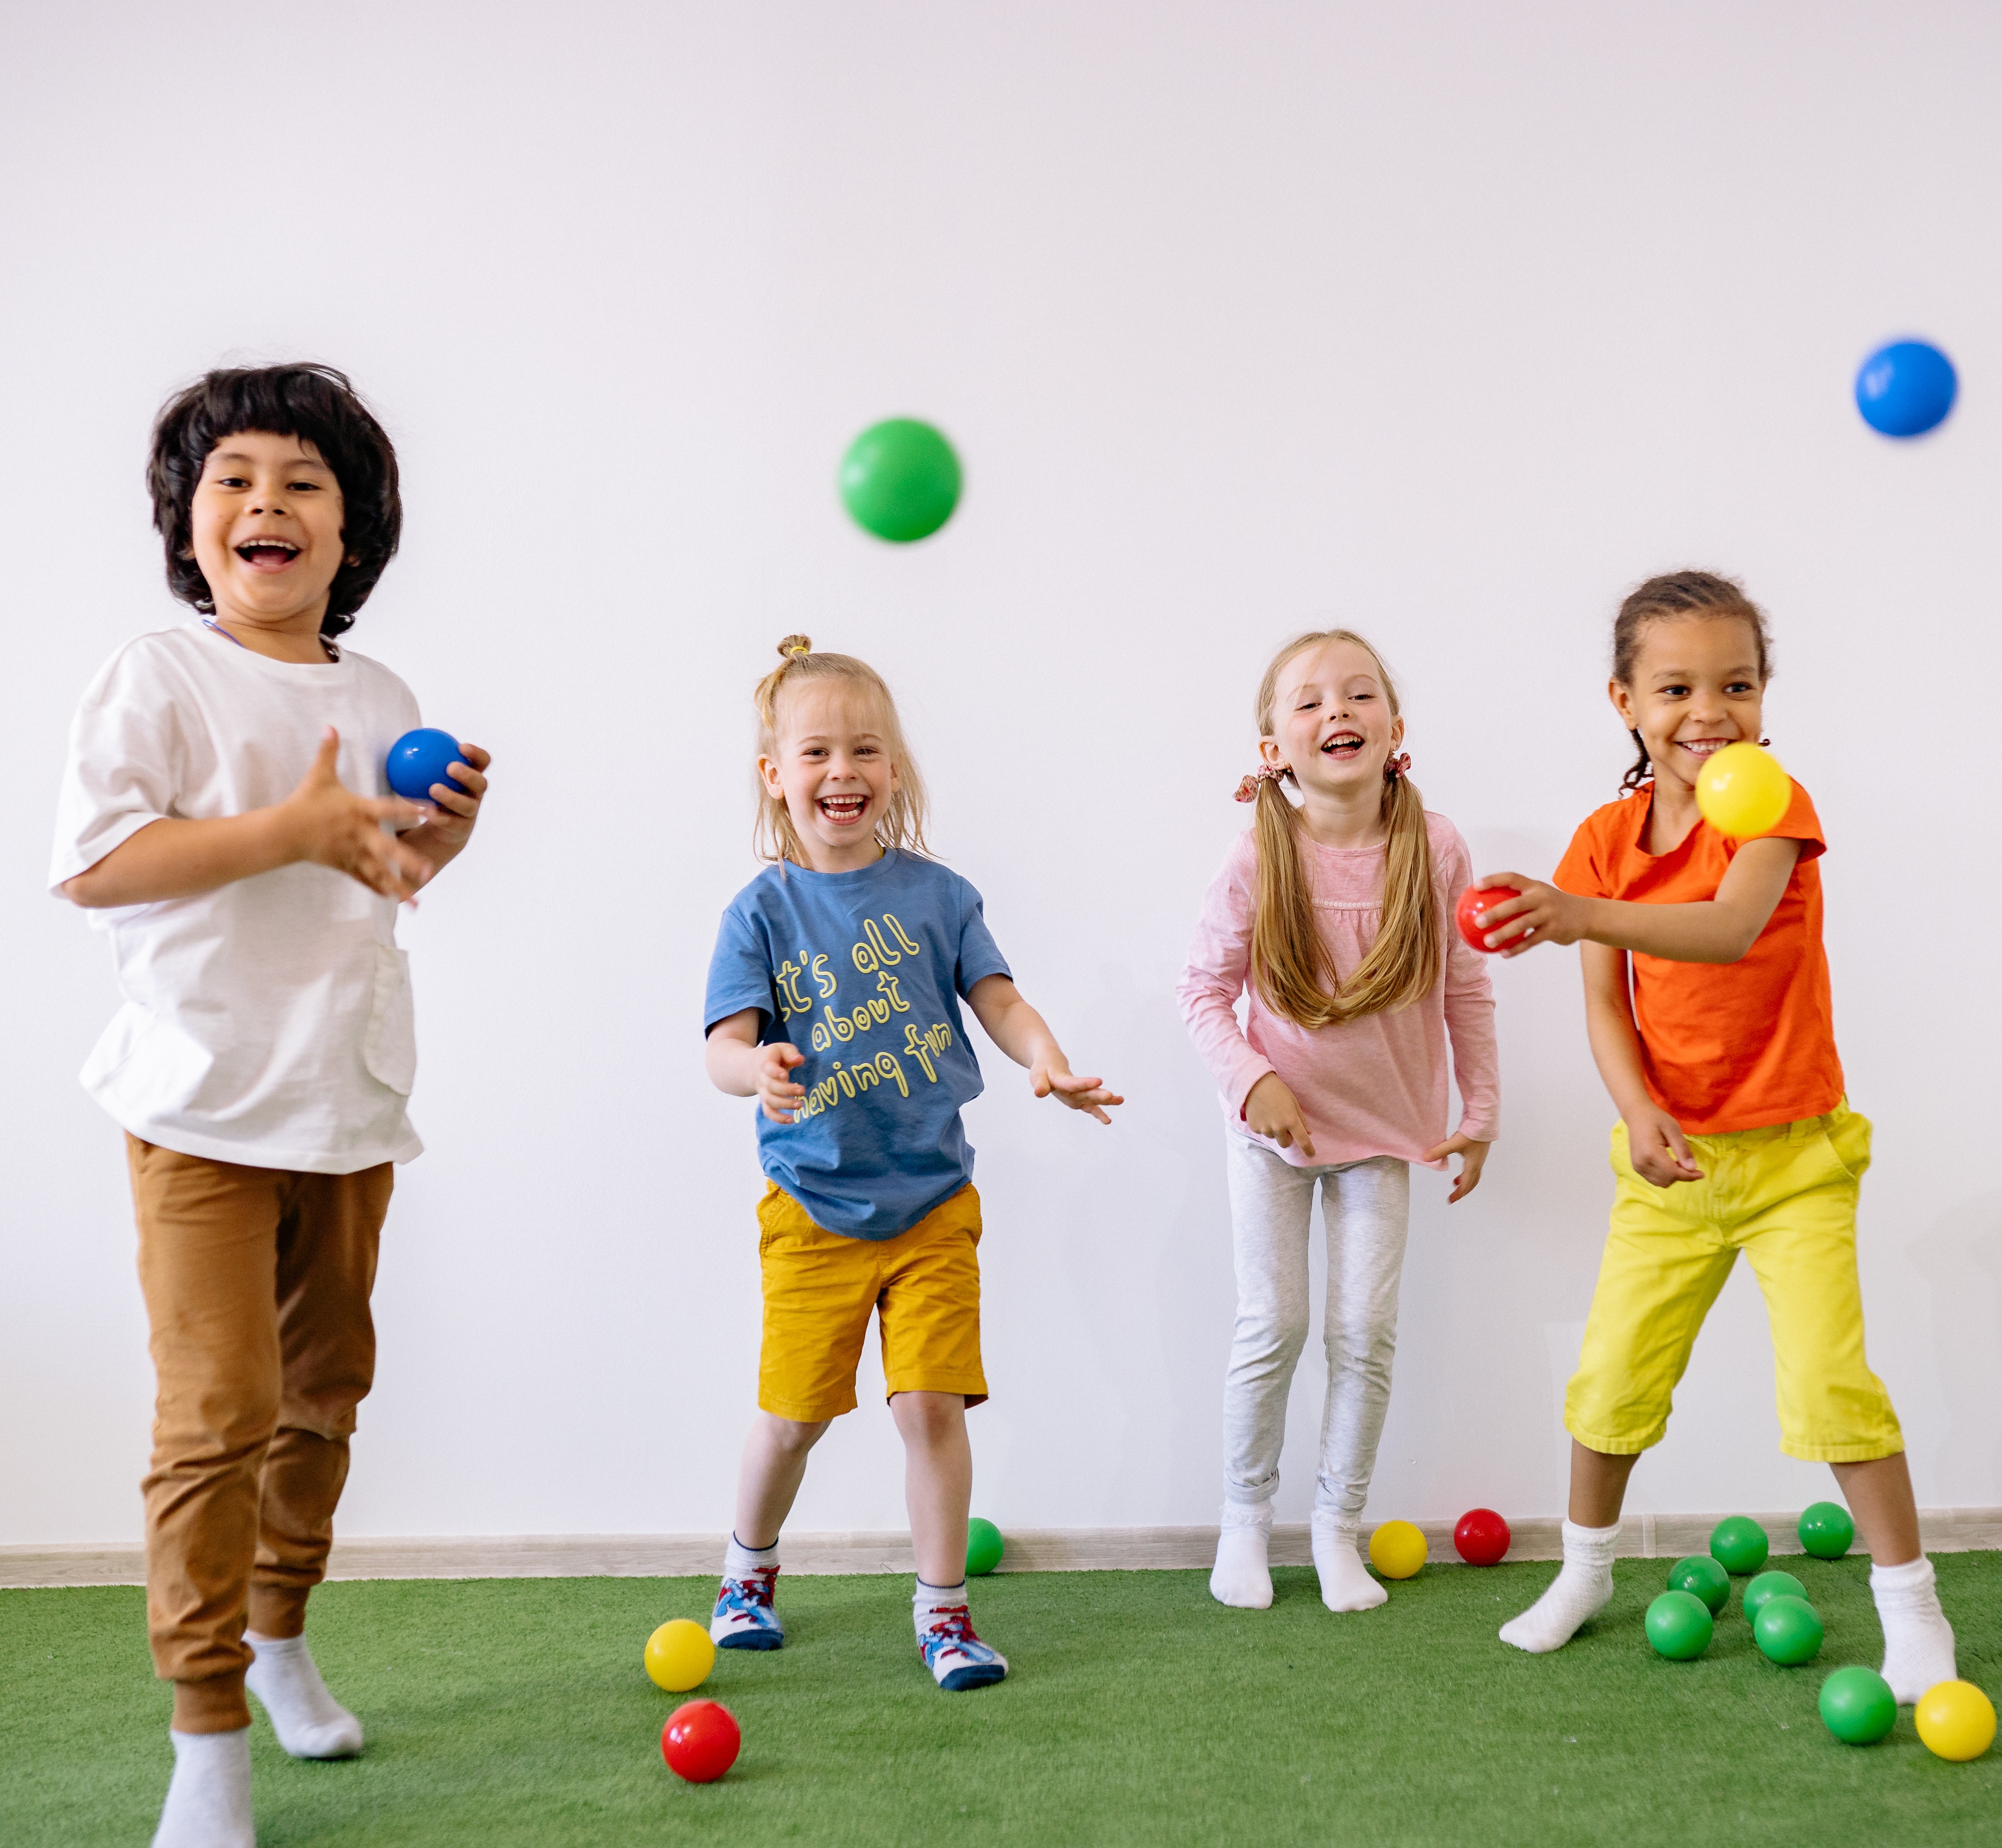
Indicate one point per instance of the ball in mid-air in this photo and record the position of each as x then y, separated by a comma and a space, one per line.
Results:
900, 480
1742, 792
1475, 899
1857, 1705
700, 1741
1826, 1531
420, 759
1679, 1626
1481, 1537
1956, 1721
679, 1656
1787, 1631
1701, 1577
984, 1547
1398, 1550
1905, 388
1769, 1585
1737, 1543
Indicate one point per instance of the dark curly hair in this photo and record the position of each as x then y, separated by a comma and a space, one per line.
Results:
1677, 595
317, 405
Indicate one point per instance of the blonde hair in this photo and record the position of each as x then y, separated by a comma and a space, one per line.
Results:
902, 826
1291, 967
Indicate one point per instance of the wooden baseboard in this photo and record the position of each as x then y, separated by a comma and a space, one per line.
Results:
1030, 1549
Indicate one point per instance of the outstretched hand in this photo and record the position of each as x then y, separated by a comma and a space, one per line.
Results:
325, 822
1089, 1095
1540, 914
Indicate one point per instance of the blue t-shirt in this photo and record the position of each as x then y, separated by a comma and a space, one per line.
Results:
863, 972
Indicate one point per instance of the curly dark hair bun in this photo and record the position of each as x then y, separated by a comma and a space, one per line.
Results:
316, 404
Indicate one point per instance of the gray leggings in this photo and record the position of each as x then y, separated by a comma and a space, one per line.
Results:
1366, 1207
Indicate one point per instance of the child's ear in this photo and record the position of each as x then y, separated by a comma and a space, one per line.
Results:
1621, 697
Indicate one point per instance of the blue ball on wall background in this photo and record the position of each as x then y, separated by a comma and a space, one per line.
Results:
420, 759
1905, 388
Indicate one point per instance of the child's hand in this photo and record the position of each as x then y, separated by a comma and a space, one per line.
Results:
1472, 1155
1051, 1078
1657, 1148
325, 822
448, 816
1274, 1112
1540, 915
776, 1093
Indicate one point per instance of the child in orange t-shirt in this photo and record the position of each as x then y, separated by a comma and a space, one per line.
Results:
1707, 1000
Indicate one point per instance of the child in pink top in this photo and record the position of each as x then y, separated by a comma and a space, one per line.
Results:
1332, 915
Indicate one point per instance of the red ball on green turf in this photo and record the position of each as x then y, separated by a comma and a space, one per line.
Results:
1703, 1577
1737, 1543
1769, 1585
700, 1740
1826, 1531
1857, 1706
1481, 1538
1787, 1631
1679, 1626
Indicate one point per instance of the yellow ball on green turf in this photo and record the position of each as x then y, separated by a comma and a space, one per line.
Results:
1398, 1550
679, 1656
1956, 1721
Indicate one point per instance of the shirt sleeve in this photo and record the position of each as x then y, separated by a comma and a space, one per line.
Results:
979, 955
1800, 823
127, 763
1580, 872
739, 973
1219, 960
1470, 1010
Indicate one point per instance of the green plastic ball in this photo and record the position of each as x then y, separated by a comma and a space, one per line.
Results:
984, 1547
900, 480
1703, 1577
1826, 1530
1857, 1705
1769, 1585
1679, 1626
1787, 1631
1737, 1543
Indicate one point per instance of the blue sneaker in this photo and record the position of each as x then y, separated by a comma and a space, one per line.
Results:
957, 1658
744, 1618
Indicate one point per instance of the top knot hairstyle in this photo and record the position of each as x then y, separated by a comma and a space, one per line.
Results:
902, 826
1679, 596
1290, 965
316, 404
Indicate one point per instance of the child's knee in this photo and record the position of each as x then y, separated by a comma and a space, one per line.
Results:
793, 1437
929, 1417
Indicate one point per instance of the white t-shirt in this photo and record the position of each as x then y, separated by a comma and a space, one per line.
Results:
267, 1022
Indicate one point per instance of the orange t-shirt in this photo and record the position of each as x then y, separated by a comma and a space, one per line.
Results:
1723, 1046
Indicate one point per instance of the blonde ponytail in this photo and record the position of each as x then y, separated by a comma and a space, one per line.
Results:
1291, 969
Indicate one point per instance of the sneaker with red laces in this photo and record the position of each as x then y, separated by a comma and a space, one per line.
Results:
957, 1658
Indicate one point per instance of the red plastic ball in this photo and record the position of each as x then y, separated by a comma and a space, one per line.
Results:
700, 1741
1481, 1538
1479, 898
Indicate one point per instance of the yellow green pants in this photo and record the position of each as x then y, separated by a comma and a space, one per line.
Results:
1786, 1196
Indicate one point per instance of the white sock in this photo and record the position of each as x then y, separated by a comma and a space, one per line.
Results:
208, 1803
1243, 1576
928, 1599
739, 1560
1918, 1641
1345, 1585
1581, 1589
309, 1722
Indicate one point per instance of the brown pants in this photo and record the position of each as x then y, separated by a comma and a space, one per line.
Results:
257, 1282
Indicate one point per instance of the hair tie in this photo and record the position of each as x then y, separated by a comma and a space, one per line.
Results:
1395, 767
803, 650
1247, 790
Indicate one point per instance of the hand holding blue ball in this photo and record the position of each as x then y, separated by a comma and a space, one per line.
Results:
421, 758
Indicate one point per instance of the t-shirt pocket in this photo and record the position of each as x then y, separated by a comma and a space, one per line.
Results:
390, 1050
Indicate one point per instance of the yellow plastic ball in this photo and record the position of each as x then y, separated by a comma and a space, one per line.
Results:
1743, 791
1956, 1721
1396, 1549
679, 1656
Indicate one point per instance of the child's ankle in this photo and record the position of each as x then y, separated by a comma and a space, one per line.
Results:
739, 1560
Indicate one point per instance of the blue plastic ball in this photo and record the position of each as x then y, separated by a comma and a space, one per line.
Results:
1905, 388
420, 759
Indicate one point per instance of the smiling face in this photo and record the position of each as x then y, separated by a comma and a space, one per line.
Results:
832, 768
266, 524
1695, 687
1331, 723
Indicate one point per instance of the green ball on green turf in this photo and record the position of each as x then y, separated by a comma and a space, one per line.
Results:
900, 480
1679, 1626
1703, 1577
1857, 1706
1737, 1543
984, 1547
1787, 1631
1769, 1585
1826, 1530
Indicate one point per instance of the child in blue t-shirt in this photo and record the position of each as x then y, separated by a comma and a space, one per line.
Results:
834, 1000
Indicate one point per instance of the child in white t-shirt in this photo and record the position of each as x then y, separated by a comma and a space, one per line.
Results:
225, 817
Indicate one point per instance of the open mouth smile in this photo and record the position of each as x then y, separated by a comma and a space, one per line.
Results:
1703, 747
267, 553
842, 811
1343, 745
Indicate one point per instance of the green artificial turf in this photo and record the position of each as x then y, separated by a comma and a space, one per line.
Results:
505, 1712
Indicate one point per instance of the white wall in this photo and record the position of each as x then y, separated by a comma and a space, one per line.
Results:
1449, 320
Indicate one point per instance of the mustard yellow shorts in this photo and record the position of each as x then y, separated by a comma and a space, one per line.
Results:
923, 1285
1786, 1196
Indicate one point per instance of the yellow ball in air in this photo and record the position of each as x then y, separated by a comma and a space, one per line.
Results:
1396, 1549
679, 1656
1743, 791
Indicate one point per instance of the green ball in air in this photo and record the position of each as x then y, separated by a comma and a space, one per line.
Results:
1679, 1626
1826, 1530
1737, 1543
1703, 1577
1787, 1631
984, 1547
1769, 1585
1857, 1706
900, 480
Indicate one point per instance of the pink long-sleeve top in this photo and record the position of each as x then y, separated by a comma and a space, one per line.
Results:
1375, 1085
